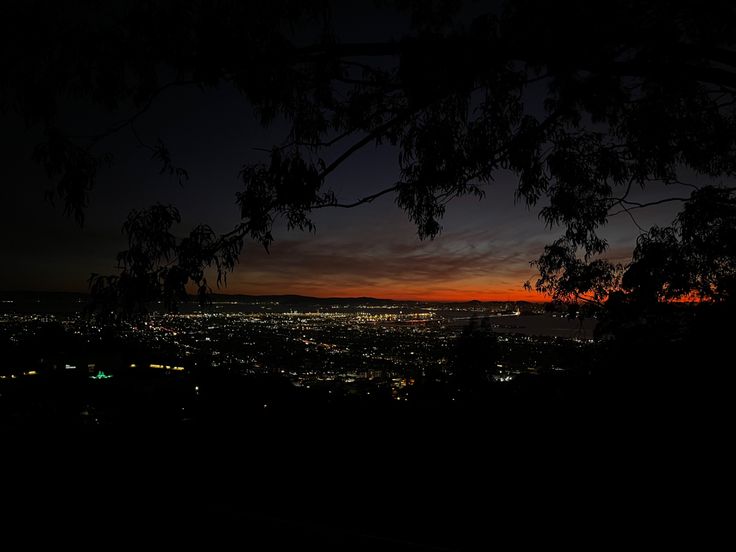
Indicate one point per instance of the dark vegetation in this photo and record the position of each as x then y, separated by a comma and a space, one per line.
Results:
583, 104
582, 101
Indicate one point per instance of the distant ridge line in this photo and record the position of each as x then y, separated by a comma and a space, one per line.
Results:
242, 298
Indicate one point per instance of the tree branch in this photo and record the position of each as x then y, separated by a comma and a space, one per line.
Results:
636, 205
703, 74
372, 135
138, 138
366, 199
634, 67
631, 216
130, 120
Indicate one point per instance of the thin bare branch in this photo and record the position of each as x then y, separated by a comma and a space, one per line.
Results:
637, 205
130, 120
366, 199
367, 139
631, 216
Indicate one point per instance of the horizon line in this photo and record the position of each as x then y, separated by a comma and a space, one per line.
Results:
333, 297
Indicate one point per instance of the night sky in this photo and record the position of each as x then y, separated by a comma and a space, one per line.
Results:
483, 252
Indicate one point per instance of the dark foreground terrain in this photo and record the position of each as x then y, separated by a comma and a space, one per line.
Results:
558, 469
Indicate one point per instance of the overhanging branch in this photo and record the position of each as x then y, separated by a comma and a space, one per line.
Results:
366, 199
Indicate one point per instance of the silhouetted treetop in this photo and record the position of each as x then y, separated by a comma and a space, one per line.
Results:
582, 101
695, 256
693, 259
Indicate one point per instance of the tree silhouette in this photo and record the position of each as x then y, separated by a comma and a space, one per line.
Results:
475, 355
582, 102
158, 266
695, 256
693, 259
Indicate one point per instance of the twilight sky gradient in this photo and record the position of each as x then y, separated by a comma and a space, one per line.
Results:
483, 252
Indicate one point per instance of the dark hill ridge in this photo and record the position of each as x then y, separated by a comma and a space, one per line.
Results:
297, 299
304, 299
43, 296
64, 296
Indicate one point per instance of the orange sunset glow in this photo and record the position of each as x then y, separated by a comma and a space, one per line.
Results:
404, 268
402, 294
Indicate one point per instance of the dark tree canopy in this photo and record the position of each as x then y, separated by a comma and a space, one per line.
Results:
582, 101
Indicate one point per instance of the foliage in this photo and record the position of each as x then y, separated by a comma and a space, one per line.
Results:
581, 102
695, 257
157, 265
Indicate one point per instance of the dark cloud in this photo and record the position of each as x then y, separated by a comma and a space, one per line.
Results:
456, 263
